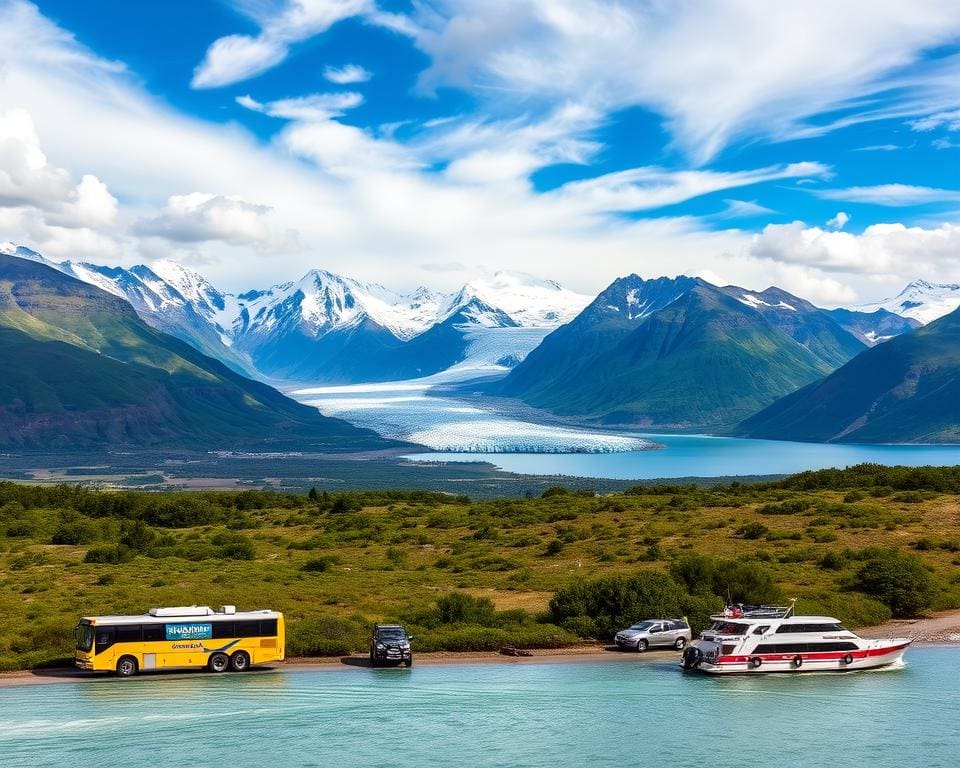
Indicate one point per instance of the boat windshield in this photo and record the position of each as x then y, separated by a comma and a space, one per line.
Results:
729, 628
83, 633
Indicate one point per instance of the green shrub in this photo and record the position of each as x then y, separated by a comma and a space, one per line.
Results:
462, 608
555, 547
326, 636
615, 602
752, 530
899, 580
234, 546
109, 555
320, 564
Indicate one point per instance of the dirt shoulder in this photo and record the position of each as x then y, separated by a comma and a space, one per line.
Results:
941, 627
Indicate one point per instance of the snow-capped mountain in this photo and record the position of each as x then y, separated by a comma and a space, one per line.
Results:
329, 328
528, 300
920, 300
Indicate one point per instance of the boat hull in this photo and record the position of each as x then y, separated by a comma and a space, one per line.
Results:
837, 661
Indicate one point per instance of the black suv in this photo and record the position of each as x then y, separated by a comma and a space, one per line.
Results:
390, 643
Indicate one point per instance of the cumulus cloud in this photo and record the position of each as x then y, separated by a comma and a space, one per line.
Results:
42, 199
200, 217
235, 58
347, 74
839, 221
894, 251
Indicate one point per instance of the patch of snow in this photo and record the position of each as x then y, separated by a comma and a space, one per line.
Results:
752, 300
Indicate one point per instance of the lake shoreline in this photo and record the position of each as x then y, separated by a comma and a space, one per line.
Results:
939, 629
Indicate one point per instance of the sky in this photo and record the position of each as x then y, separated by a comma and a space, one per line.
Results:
814, 146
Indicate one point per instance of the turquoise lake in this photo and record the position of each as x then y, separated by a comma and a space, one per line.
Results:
624, 712
704, 456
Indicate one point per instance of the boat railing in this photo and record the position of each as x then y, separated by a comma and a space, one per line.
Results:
741, 611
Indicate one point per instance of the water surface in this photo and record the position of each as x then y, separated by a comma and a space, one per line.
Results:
703, 456
571, 714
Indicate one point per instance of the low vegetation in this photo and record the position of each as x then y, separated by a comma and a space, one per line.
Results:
862, 544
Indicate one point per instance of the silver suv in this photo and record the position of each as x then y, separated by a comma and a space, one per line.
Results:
672, 633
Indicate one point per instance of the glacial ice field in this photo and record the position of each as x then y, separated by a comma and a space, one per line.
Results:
406, 410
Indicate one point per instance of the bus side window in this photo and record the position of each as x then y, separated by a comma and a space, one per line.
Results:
247, 629
154, 631
105, 637
223, 629
128, 633
268, 628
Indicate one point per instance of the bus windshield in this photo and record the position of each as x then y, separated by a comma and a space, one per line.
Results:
83, 633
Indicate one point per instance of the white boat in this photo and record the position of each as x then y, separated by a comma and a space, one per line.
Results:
773, 639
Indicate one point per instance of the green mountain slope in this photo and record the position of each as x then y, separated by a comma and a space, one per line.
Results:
80, 369
702, 358
904, 390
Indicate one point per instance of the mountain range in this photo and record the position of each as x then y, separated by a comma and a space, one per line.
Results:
325, 328
681, 353
905, 390
671, 353
82, 371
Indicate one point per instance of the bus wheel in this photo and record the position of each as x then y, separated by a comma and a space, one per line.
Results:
126, 666
218, 662
240, 661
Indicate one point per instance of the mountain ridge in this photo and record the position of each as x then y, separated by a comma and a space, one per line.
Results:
680, 353
84, 371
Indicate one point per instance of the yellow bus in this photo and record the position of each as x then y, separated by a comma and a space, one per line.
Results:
191, 636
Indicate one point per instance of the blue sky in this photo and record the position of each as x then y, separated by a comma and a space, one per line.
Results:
816, 147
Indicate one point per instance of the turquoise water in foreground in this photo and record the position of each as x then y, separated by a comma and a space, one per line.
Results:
618, 713
703, 456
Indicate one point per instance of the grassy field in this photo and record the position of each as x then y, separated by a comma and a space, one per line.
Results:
469, 575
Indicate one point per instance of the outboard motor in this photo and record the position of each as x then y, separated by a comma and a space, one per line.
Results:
692, 657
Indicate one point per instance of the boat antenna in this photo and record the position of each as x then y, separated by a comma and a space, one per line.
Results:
793, 604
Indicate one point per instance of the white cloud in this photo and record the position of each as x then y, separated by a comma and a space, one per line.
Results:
897, 252
893, 195
26, 178
949, 120
235, 58
879, 148
368, 205
742, 209
41, 199
200, 217
839, 221
316, 107
646, 188
944, 144
716, 70
347, 74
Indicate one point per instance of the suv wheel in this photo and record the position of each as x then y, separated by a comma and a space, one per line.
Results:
642, 645
681, 642
408, 662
